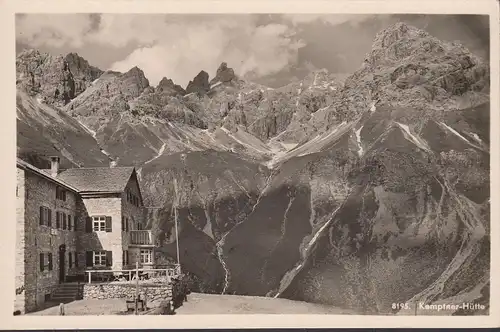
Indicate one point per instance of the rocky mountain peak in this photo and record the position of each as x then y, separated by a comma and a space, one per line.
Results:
82, 71
135, 76
45, 75
199, 84
166, 85
224, 74
397, 32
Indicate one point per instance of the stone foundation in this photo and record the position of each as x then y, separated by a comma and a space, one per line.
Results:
110, 290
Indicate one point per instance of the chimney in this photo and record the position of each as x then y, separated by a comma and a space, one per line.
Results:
54, 165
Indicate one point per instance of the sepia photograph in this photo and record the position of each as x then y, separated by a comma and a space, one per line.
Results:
252, 163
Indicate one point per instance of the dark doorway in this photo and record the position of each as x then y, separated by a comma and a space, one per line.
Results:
62, 255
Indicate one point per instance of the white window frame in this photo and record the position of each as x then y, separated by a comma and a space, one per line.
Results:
99, 223
145, 256
99, 258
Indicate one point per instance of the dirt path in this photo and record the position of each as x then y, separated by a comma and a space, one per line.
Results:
200, 304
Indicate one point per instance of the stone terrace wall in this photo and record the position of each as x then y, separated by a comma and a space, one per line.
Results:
112, 290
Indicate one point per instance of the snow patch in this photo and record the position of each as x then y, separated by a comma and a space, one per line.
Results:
216, 84
476, 137
90, 131
454, 131
160, 152
358, 139
314, 81
289, 146
228, 133
412, 137
321, 109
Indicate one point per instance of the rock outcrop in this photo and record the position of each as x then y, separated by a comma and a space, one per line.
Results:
55, 79
199, 84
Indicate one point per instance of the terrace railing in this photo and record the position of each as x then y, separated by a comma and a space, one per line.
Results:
141, 238
127, 275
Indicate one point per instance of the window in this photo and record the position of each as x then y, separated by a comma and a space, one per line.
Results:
139, 226
99, 224
125, 257
60, 194
145, 256
50, 261
45, 216
58, 219
124, 224
99, 258
70, 226
64, 223
42, 262
76, 259
70, 260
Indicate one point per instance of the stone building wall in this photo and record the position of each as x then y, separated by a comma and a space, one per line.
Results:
44, 239
19, 303
101, 240
126, 290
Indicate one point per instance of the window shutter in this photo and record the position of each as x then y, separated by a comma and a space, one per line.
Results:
123, 223
49, 222
70, 260
50, 261
57, 192
88, 225
126, 224
89, 258
41, 215
64, 221
109, 258
69, 222
76, 259
42, 262
58, 219
108, 224
75, 223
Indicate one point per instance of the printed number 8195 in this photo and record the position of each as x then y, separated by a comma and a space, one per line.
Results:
400, 306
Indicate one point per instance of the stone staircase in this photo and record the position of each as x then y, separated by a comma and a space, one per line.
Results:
67, 292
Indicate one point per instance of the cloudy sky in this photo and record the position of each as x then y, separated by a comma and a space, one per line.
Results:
269, 49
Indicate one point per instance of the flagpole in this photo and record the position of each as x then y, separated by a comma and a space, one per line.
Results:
177, 240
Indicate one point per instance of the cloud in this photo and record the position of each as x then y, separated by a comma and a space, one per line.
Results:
53, 30
180, 49
332, 19
176, 46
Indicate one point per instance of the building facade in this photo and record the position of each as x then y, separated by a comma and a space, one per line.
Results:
75, 220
